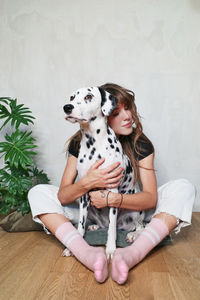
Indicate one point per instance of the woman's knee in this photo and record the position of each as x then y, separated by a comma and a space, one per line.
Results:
35, 191
182, 189
186, 187
45, 190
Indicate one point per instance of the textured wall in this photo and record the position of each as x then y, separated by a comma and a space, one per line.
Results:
49, 48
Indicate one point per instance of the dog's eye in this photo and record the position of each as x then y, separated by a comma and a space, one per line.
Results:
88, 97
72, 98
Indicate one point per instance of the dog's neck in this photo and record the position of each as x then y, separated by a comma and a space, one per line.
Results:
96, 127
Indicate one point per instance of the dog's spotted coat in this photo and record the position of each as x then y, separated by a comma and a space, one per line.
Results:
90, 107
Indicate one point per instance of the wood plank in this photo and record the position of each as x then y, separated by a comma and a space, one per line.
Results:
25, 274
161, 284
32, 268
185, 287
140, 281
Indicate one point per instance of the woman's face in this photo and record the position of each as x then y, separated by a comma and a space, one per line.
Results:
121, 120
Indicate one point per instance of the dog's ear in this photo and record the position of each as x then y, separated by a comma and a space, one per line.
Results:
108, 102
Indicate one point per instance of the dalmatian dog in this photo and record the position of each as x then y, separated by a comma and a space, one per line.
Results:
90, 107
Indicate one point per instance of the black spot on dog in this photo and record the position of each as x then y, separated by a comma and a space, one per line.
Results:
89, 90
129, 191
103, 96
112, 146
124, 186
114, 211
117, 149
113, 99
82, 223
81, 160
129, 220
110, 140
99, 156
133, 191
93, 118
125, 178
108, 131
98, 131
72, 98
91, 140
85, 203
123, 192
129, 168
84, 155
130, 179
90, 157
92, 151
141, 212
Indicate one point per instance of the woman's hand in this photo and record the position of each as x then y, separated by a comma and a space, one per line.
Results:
99, 198
108, 177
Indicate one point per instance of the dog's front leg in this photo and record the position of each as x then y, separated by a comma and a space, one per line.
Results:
112, 233
84, 203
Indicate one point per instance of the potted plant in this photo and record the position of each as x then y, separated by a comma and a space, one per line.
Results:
19, 172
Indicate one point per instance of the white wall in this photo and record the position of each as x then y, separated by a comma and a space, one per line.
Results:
50, 48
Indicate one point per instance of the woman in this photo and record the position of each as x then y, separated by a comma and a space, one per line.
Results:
168, 208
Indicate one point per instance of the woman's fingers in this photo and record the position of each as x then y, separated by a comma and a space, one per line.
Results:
112, 167
115, 173
115, 179
112, 185
98, 163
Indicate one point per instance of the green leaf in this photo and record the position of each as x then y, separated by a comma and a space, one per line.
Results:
16, 181
18, 149
4, 208
18, 114
5, 100
24, 207
38, 177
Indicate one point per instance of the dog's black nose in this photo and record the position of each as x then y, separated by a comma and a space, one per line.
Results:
68, 108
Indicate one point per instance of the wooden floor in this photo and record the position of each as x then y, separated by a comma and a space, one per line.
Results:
31, 267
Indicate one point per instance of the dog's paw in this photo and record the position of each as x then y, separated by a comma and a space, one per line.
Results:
110, 250
67, 253
93, 227
131, 237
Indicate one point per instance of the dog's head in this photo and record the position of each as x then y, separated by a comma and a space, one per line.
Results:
86, 104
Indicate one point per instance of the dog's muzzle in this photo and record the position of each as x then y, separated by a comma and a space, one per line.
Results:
68, 108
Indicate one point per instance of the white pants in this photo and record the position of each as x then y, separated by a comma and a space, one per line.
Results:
175, 198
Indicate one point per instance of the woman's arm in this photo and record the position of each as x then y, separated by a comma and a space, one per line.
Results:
95, 178
140, 201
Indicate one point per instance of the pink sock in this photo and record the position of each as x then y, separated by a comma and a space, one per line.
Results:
126, 258
93, 258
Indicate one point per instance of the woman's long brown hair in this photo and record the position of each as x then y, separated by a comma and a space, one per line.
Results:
129, 143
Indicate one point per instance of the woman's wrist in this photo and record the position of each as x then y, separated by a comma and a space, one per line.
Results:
114, 200
84, 184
